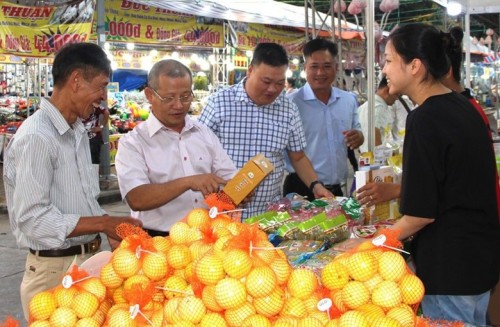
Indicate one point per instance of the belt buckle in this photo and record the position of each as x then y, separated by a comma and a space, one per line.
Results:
94, 245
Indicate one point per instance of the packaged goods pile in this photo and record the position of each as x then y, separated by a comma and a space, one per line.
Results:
220, 272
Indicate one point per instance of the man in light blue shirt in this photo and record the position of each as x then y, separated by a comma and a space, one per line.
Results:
330, 119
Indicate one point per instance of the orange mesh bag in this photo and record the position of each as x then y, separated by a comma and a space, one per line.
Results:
10, 322
426, 322
223, 205
375, 280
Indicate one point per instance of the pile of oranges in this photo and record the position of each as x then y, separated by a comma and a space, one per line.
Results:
218, 272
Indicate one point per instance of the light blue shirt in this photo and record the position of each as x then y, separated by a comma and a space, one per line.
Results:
324, 125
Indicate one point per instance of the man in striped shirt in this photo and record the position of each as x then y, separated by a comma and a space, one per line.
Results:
254, 117
50, 183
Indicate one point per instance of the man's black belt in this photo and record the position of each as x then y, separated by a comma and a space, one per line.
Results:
90, 247
153, 233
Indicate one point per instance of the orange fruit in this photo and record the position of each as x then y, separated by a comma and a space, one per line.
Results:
373, 282
236, 316
109, 277
336, 297
353, 318
95, 286
178, 256
198, 217
371, 311
220, 246
265, 251
230, 293
271, 304
387, 295
209, 269
386, 322
118, 295
198, 248
175, 286
212, 320
237, 263
362, 266
140, 280
286, 321
121, 318
63, 317
294, 307
282, 269
335, 275
162, 244
180, 233
391, 266
85, 304
191, 309
87, 322
235, 228
412, 289
256, 320
355, 294
125, 263
42, 305
208, 298
154, 266
309, 322
64, 296
261, 281
170, 310
404, 315
302, 283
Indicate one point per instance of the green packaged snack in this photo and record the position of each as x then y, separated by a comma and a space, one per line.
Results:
310, 228
288, 229
352, 208
335, 229
255, 219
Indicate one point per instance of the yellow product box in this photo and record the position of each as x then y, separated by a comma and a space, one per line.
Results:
248, 178
385, 210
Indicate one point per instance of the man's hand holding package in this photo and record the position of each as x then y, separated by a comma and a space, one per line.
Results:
375, 193
206, 183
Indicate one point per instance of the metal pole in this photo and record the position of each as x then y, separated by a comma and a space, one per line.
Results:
105, 165
467, 49
339, 43
370, 71
306, 7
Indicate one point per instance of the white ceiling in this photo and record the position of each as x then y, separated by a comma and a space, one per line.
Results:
476, 6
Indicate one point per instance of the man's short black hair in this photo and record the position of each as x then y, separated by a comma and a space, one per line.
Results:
271, 54
320, 44
87, 57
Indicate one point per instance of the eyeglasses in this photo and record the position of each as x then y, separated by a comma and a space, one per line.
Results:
184, 99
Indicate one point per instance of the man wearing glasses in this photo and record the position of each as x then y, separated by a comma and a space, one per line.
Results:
167, 164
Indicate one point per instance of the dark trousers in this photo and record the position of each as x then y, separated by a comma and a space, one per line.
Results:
293, 184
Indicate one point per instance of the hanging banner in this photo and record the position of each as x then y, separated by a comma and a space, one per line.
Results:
41, 31
249, 34
127, 21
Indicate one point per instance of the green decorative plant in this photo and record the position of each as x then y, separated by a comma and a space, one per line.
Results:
200, 82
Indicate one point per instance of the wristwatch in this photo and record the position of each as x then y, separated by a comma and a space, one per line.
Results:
311, 187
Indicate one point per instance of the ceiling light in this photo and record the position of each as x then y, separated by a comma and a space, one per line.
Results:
453, 8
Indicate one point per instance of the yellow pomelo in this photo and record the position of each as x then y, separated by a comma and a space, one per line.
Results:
373, 282
162, 244
230, 293
191, 309
213, 320
237, 263
302, 283
40, 323
209, 269
175, 286
371, 311
208, 298
87, 322
391, 266
353, 318
220, 246
264, 250
355, 294
271, 304
63, 317
282, 269
109, 277
95, 286
85, 304
311, 303
121, 318
118, 295
309, 322
387, 295
42, 305
157, 316
336, 297
335, 275
179, 233
386, 322
171, 311
412, 289
125, 263
261, 281
294, 307
178, 256
286, 321
333, 323
198, 249
140, 280
362, 266
235, 228
154, 266
64, 296
320, 316
236, 316
198, 217
404, 315
256, 320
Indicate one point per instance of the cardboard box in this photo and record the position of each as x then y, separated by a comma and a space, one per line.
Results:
248, 178
382, 211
